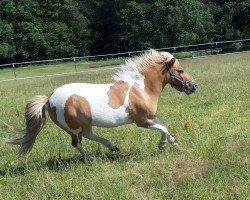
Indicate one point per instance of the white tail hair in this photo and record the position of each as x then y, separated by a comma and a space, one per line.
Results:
35, 118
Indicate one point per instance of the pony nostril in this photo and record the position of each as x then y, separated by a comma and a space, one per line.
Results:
194, 86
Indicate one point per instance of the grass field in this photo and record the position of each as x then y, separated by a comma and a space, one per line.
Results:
56, 68
212, 126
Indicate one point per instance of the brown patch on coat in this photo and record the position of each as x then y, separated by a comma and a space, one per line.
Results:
154, 83
143, 104
156, 78
139, 110
77, 112
52, 114
117, 94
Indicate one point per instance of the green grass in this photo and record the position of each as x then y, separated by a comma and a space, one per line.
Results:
56, 68
212, 126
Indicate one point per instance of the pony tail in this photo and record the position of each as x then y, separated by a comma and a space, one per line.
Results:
35, 119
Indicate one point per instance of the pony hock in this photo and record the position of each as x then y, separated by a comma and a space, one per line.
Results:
131, 98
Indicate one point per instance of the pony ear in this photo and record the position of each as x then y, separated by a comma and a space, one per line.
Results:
172, 61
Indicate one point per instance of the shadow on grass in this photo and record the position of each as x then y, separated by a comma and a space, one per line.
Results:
60, 164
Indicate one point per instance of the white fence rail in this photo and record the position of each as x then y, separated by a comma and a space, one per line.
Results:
178, 49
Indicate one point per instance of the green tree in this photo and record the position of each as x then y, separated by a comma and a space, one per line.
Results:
35, 29
106, 26
65, 27
232, 19
40, 29
162, 23
7, 47
137, 28
58, 40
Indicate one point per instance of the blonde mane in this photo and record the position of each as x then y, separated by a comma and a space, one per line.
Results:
133, 66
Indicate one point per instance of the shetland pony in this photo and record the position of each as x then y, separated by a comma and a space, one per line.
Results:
131, 98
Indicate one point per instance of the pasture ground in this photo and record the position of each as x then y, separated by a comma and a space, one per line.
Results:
212, 126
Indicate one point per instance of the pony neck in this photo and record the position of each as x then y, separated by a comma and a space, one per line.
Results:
154, 82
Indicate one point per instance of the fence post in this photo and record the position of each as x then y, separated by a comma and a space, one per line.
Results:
14, 70
75, 64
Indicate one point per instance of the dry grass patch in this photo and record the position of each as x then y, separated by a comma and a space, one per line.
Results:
183, 169
232, 190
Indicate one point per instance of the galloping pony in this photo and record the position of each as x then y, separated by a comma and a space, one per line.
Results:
131, 98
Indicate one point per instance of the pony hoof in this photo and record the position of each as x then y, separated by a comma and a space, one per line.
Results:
176, 144
115, 148
89, 158
162, 147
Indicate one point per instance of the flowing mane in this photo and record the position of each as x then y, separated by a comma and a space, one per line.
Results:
133, 66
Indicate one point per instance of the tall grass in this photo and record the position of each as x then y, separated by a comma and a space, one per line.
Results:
212, 126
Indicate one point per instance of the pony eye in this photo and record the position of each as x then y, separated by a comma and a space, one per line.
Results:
180, 71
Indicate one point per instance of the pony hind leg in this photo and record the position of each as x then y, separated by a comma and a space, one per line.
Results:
76, 142
88, 133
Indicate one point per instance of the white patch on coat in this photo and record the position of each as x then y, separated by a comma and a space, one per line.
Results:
97, 96
130, 74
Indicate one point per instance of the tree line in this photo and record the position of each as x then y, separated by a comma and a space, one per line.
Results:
43, 29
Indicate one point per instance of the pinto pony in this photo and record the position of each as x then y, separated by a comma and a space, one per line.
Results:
132, 98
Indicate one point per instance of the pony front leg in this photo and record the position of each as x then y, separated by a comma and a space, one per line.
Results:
165, 135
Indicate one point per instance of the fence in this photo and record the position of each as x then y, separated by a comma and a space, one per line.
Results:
80, 64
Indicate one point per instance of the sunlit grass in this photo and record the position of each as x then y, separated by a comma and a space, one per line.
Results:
212, 126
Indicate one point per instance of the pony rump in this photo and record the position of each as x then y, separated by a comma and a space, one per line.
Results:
35, 119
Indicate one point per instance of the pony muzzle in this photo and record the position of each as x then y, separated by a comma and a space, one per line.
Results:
190, 87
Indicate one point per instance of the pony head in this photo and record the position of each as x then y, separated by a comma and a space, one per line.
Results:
177, 77
156, 69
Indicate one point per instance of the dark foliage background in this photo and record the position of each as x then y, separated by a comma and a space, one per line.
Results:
43, 29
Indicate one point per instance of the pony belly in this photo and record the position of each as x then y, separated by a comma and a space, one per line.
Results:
112, 118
